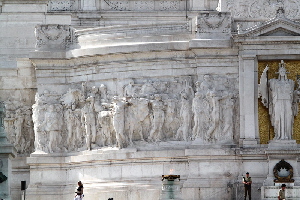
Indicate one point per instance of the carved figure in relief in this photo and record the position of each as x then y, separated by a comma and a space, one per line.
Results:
52, 125
97, 99
37, 118
18, 124
84, 89
24, 135
71, 127
105, 127
143, 114
28, 128
227, 116
10, 108
130, 118
129, 90
72, 98
118, 112
138, 110
171, 120
197, 87
185, 116
188, 90
207, 83
148, 89
199, 105
158, 118
88, 119
10, 129
103, 92
214, 98
280, 104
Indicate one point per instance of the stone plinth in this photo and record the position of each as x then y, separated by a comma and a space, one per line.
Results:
271, 192
283, 169
282, 144
170, 190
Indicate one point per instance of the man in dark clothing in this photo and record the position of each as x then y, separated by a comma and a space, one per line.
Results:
247, 181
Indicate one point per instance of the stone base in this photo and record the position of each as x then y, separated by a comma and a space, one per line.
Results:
270, 192
282, 144
170, 190
211, 43
250, 143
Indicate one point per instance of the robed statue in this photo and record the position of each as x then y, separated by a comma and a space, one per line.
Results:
279, 96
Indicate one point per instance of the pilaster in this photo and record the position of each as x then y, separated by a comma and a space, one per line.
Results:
248, 96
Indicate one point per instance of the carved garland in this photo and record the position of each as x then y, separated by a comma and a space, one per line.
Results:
213, 21
283, 165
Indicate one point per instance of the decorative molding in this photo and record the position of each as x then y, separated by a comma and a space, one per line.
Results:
278, 26
262, 8
62, 5
211, 23
280, 175
53, 36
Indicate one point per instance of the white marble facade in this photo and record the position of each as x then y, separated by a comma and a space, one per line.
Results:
117, 93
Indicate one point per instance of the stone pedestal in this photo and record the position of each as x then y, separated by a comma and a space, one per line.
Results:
283, 169
271, 192
170, 190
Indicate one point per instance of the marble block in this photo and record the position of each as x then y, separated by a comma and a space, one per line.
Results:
282, 144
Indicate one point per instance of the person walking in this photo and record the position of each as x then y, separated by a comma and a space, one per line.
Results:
79, 192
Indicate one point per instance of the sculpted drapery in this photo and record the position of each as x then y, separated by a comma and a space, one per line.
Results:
278, 95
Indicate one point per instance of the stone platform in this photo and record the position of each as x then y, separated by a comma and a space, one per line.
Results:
270, 192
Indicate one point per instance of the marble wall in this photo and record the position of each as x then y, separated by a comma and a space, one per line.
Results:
118, 106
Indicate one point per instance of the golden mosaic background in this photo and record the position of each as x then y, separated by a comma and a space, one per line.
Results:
266, 130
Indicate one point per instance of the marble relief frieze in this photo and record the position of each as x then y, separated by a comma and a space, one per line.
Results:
262, 9
19, 125
175, 109
74, 5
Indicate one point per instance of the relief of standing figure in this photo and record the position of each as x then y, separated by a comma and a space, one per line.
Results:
88, 118
158, 118
185, 115
53, 124
118, 120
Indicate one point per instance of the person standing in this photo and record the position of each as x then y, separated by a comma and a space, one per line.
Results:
247, 181
281, 192
79, 192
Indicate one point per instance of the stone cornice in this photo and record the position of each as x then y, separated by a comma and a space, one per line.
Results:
266, 39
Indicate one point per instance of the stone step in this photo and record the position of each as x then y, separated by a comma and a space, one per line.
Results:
87, 41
